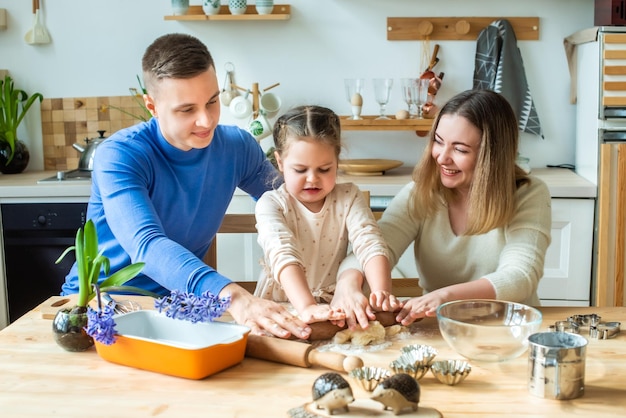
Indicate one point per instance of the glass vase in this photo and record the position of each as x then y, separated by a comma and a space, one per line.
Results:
21, 156
68, 328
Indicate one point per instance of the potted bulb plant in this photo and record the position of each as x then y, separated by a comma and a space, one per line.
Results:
14, 104
69, 325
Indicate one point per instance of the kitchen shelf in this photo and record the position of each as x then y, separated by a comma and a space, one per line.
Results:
370, 123
195, 13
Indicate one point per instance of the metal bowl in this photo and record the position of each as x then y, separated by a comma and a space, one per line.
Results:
369, 377
416, 371
450, 372
414, 360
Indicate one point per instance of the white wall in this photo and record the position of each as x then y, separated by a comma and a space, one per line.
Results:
97, 46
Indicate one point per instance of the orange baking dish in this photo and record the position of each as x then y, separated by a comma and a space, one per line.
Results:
149, 340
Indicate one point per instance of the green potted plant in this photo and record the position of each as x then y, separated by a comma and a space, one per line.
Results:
14, 104
69, 323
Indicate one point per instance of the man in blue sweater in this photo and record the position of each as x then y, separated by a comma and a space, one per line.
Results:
161, 188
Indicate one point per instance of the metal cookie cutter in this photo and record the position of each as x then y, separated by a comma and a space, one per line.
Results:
585, 320
604, 330
565, 326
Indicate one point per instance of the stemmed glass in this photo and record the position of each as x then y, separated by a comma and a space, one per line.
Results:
382, 88
409, 94
421, 96
354, 94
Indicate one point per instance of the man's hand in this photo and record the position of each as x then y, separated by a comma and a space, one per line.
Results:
262, 316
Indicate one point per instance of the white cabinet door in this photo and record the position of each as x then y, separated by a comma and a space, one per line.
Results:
238, 255
567, 270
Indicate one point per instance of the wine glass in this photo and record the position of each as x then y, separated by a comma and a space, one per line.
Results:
421, 87
409, 93
354, 94
382, 88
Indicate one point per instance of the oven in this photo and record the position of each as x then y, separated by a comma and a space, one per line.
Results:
35, 235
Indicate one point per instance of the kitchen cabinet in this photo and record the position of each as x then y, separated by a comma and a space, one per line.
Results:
195, 13
239, 254
567, 269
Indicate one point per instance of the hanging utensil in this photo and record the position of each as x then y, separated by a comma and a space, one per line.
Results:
38, 34
228, 92
30, 35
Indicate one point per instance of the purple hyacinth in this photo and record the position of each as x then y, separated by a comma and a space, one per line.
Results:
190, 307
101, 325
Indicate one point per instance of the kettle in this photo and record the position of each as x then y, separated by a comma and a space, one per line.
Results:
88, 151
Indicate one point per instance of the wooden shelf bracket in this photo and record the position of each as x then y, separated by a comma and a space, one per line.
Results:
455, 28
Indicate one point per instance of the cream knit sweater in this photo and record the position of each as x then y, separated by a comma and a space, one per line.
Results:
511, 257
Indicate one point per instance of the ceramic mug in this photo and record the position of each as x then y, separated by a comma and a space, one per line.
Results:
240, 107
269, 104
260, 127
237, 7
180, 7
264, 7
211, 7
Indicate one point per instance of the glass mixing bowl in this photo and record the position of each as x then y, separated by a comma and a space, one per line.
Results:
488, 330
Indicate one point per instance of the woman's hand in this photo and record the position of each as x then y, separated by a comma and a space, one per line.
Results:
427, 304
262, 316
384, 301
421, 306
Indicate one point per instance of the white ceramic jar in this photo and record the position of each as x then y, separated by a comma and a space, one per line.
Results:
237, 7
264, 7
211, 7
180, 7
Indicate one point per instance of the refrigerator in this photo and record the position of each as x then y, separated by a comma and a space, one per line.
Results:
600, 84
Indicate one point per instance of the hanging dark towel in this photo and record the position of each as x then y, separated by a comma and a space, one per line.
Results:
499, 67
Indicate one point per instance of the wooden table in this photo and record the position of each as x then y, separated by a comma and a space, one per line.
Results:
38, 378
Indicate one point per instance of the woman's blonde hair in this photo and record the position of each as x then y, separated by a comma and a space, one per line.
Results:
496, 176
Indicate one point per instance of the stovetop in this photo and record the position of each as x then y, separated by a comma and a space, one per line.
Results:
68, 176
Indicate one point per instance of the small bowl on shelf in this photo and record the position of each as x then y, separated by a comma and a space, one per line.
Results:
450, 372
488, 330
369, 377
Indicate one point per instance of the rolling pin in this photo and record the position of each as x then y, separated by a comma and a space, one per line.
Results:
299, 354
326, 330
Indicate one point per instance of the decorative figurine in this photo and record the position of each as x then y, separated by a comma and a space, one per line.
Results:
397, 393
332, 392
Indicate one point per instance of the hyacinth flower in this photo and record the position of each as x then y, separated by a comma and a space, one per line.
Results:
190, 307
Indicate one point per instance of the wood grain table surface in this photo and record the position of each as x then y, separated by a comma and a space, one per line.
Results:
38, 378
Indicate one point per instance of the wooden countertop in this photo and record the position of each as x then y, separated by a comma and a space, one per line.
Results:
41, 379
16, 188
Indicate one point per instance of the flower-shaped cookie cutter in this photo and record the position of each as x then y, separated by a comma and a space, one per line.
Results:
597, 329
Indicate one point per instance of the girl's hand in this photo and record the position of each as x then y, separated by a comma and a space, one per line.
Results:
350, 299
420, 307
382, 300
322, 312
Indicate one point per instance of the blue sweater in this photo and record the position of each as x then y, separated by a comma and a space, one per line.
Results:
157, 204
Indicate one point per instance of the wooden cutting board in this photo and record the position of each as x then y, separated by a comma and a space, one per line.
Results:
50, 307
361, 408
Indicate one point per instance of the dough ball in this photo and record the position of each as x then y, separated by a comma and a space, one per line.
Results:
374, 334
396, 329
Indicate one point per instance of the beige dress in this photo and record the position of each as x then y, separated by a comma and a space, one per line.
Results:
291, 234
